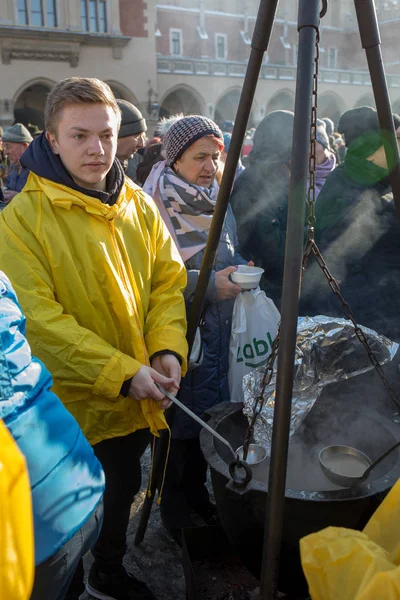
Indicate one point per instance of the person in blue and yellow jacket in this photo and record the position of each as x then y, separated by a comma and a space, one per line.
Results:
66, 482
101, 283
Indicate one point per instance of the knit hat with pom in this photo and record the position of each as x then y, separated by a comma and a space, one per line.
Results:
187, 131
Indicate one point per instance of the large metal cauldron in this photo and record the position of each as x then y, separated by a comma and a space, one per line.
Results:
355, 412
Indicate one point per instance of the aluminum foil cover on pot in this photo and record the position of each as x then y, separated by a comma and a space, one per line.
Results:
327, 351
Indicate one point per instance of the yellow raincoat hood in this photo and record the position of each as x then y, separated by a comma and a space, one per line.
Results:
101, 287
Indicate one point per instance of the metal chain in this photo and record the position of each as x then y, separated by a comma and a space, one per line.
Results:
269, 370
260, 400
312, 161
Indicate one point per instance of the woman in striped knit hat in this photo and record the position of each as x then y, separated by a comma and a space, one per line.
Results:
186, 193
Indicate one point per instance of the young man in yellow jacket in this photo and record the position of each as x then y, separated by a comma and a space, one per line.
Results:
100, 282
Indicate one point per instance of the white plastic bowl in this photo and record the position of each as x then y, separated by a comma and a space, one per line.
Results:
247, 277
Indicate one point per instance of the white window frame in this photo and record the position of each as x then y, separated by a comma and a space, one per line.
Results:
28, 5
171, 32
328, 58
225, 38
87, 2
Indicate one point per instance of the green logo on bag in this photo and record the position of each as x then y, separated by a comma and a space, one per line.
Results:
258, 348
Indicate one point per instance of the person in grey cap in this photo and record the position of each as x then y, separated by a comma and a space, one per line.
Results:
16, 139
186, 193
131, 137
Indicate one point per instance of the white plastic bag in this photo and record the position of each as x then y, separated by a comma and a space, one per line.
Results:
254, 326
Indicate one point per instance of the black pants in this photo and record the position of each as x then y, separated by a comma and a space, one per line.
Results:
184, 488
120, 458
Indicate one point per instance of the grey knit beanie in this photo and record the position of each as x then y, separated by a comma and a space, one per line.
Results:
186, 132
322, 136
18, 134
132, 121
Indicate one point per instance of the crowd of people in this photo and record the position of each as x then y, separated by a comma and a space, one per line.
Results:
102, 235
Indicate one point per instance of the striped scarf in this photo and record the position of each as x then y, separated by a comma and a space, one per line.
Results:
190, 209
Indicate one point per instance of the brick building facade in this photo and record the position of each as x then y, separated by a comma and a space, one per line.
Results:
182, 55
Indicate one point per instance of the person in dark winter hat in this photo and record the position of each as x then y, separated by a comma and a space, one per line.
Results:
16, 139
357, 230
260, 198
131, 137
356, 122
273, 137
325, 159
186, 193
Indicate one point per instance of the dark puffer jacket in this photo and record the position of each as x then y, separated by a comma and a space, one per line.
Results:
359, 235
207, 385
260, 200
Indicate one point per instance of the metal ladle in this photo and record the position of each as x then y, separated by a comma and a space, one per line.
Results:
236, 463
331, 453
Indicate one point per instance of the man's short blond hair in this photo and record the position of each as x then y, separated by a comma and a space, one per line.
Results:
78, 90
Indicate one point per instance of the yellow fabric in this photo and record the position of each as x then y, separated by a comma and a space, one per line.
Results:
351, 565
384, 525
16, 522
341, 564
101, 287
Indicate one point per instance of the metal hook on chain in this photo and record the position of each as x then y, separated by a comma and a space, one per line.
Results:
324, 9
234, 467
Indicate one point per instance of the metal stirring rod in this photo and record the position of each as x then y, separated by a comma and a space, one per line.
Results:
196, 418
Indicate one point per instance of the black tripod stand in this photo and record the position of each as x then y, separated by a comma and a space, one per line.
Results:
308, 27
